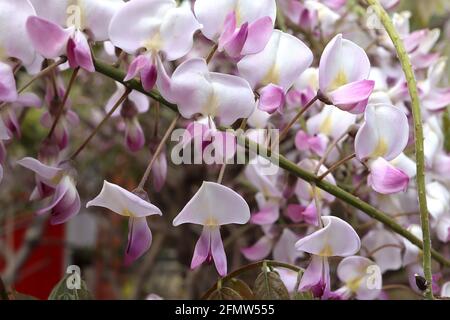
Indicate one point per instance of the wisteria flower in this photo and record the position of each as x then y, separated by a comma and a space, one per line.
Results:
9, 113
157, 27
128, 204
62, 28
274, 70
381, 138
343, 75
239, 27
336, 238
359, 277
8, 91
212, 206
65, 202
196, 90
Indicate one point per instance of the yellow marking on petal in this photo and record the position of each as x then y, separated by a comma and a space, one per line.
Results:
339, 80
211, 222
327, 251
354, 284
127, 213
56, 179
272, 76
155, 43
326, 125
381, 148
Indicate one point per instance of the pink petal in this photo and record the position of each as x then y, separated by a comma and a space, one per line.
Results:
42, 170
202, 248
148, 77
259, 33
134, 136
260, 250
352, 93
386, 179
79, 52
139, 239
229, 29
8, 91
267, 215
271, 98
315, 277
218, 252
235, 45
48, 38
136, 66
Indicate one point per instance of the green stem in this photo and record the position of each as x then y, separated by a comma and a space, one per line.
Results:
289, 166
249, 267
418, 133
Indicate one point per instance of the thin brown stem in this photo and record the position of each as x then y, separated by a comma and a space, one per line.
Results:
337, 165
211, 53
95, 131
63, 102
328, 151
221, 173
157, 152
297, 116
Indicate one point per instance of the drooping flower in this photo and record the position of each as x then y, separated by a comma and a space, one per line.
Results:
343, 75
212, 206
196, 90
336, 238
65, 202
157, 27
61, 27
382, 138
239, 27
274, 70
9, 112
433, 97
359, 277
128, 204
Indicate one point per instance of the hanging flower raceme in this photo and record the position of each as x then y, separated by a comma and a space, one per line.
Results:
136, 208
361, 278
196, 90
67, 119
59, 182
152, 27
274, 70
383, 137
212, 206
62, 28
239, 27
135, 104
336, 238
343, 75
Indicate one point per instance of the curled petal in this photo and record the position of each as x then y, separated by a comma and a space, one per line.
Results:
267, 215
202, 248
259, 33
349, 97
139, 239
316, 277
137, 65
386, 179
271, 98
218, 252
134, 135
342, 62
79, 52
214, 205
123, 202
46, 172
336, 238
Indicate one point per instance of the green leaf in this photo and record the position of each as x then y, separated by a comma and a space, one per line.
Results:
304, 296
241, 288
225, 293
62, 292
268, 286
